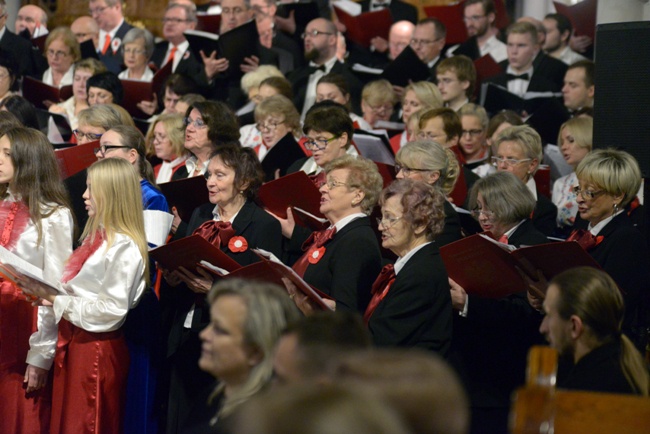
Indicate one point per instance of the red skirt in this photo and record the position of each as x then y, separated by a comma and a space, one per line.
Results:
20, 412
90, 372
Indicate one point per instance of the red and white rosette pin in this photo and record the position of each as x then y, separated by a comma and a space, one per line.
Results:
315, 255
238, 244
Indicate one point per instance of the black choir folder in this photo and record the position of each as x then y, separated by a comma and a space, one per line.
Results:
185, 195
190, 252
298, 192
487, 268
405, 68
496, 98
234, 45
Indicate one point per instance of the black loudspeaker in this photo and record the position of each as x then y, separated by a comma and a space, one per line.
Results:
622, 97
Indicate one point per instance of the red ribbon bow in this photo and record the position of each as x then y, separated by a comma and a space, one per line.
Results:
313, 244
586, 239
216, 232
379, 289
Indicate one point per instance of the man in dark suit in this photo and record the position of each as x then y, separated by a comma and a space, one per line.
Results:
320, 50
18, 47
398, 9
524, 73
281, 43
479, 17
112, 28
428, 41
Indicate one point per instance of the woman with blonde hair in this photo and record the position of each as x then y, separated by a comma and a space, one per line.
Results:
575, 140
37, 227
168, 143
417, 96
101, 282
428, 161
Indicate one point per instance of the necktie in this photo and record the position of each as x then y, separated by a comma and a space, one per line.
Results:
107, 44
515, 77
585, 238
379, 290
315, 241
171, 55
216, 232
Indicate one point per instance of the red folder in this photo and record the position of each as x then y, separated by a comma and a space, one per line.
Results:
295, 190
39, 43
185, 195
486, 67
582, 16
452, 17
208, 23
74, 159
35, 91
189, 252
136, 91
362, 28
488, 269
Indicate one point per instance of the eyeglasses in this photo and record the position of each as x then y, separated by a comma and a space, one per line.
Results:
474, 18
90, 136
173, 21
332, 184
472, 133
270, 125
198, 123
313, 144
381, 109
135, 51
97, 11
314, 33
388, 222
587, 194
105, 148
57, 53
234, 11
510, 162
476, 213
424, 41
407, 170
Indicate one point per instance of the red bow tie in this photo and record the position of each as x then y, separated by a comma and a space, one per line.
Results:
586, 239
216, 232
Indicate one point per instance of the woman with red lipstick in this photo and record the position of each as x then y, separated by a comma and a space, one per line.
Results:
37, 226
499, 330
232, 222
575, 141
608, 182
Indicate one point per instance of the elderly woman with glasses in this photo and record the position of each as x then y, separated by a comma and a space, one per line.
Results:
417, 96
608, 181
343, 260
519, 151
429, 162
501, 330
378, 101
473, 139
278, 121
62, 51
411, 304
137, 47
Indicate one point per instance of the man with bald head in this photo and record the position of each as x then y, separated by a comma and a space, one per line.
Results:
33, 19
320, 51
22, 51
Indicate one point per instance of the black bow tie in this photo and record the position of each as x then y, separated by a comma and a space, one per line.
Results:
515, 77
313, 69
380, 5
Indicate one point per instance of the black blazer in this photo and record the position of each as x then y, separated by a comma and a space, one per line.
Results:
538, 83
548, 74
23, 53
545, 215
281, 156
452, 229
399, 10
349, 266
189, 66
417, 311
114, 60
624, 255
300, 79
491, 344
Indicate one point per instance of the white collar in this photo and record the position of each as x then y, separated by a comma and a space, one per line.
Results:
345, 220
401, 261
513, 229
328, 64
595, 230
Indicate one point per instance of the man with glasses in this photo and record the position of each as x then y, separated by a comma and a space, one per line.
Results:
479, 17
23, 52
320, 50
112, 28
428, 41
178, 19
265, 12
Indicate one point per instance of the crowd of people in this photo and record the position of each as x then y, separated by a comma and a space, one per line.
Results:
96, 336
